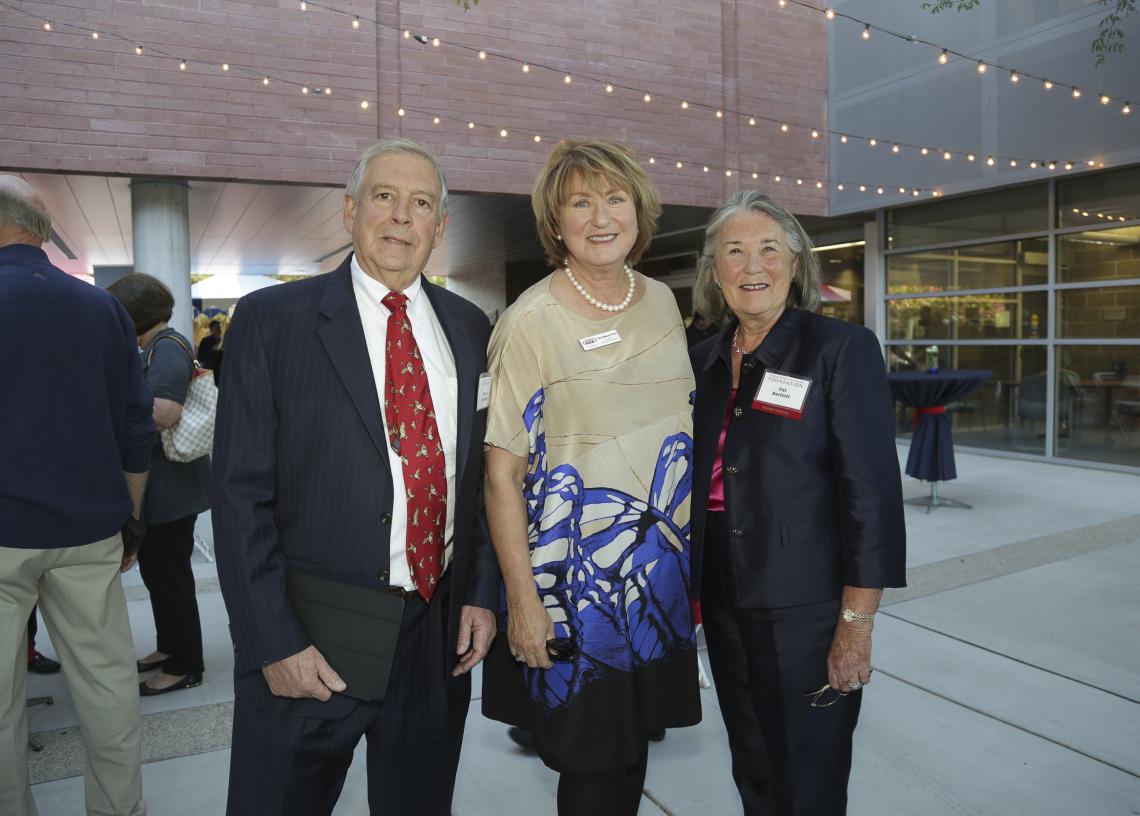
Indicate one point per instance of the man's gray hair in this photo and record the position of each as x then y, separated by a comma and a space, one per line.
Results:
397, 144
23, 209
804, 290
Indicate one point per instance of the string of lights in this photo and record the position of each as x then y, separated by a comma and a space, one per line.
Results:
611, 87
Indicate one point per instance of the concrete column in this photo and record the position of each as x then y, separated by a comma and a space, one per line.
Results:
160, 216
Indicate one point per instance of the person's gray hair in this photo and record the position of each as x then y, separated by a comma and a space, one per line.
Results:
388, 146
804, 290
20, 205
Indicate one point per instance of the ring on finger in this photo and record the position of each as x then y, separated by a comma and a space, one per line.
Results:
854, 685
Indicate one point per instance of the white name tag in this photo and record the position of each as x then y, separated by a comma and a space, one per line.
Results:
782, 394
598, 340
483, 396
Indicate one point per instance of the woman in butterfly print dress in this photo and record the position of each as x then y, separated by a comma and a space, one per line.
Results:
587, 489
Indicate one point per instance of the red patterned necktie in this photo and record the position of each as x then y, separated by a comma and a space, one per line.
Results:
414, 436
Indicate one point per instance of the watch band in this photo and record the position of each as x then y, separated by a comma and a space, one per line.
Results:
849, 615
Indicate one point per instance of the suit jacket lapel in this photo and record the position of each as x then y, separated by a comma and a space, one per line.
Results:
455, 327
343, 339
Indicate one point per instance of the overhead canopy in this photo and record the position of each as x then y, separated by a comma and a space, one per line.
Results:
229, 287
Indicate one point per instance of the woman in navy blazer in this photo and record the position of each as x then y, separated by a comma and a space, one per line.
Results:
797, 509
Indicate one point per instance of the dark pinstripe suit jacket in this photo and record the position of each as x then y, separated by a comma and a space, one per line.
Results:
301, 476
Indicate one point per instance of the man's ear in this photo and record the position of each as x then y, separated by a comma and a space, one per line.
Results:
439, 228
349, 213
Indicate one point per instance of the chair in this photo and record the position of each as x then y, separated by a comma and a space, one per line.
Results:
1127, 405
1031, 407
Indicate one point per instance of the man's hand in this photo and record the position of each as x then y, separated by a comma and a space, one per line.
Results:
303, 675
476, 631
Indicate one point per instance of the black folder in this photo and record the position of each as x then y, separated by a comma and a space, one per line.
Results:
355, 628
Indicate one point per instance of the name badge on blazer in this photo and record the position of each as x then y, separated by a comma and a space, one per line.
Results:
483, 396
782, 394
597, 341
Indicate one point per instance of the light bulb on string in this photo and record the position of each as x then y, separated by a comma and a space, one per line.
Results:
470, 125
1047, 85
862, 188
526, 67
435, 120
843, 138
839, 187
47, 25
1013, 162
879, 190
139, 50
755, 176
182, 65
1091, 163
435, 41
819, 185
356, 22
225, 66
647, 98
752, 120
1033, 165
728, 173
777, 178
1105, 99
946, 155
265, 80
328, 91
609, 88
815, 134
679, 165
1076, 93
799, 181
830, 14
407, 34
364, 104
990, 161
482, 55
304, 89
784, 128
1069, 166
1127, 109
914, 192
1014, 77
924, 151
684, 105
944, 57
720, 114
567, 79
705, 168
867, 31
401, 112
94, 35
902, 189
872, 142
537, 138
981, 67
970, 157
504, 133
895, 148
1052, 165
304, 6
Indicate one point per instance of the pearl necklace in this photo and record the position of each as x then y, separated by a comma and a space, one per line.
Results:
593, 301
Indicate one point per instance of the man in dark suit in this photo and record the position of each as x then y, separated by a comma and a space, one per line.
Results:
348, 446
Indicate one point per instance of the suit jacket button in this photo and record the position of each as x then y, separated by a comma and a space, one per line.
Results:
737, 411
386, 519
730, 470
737, 533
382, 577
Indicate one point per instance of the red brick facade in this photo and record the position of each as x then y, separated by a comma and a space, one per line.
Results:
71, 103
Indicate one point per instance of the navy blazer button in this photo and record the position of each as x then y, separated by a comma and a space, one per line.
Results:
737, 411
382, 577
737, 533
385, 519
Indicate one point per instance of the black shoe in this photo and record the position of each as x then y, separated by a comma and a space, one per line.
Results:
522, 738
145, 667
189, 681
655, 732
43, 665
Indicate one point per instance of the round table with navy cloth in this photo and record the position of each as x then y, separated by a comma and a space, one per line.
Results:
932, 443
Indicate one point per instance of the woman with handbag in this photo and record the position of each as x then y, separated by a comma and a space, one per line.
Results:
176, 491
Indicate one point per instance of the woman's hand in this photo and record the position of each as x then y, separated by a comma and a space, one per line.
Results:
528, 629
849, 660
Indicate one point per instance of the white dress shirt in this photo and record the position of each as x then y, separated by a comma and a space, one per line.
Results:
443, 384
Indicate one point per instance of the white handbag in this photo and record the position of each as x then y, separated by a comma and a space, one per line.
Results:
193, 436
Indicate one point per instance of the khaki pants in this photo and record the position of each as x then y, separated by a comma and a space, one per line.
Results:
81, 598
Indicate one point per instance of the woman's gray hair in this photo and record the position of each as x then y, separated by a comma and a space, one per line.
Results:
804, 291
397, 144
23, 210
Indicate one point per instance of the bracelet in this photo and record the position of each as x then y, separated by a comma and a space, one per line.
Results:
849, 615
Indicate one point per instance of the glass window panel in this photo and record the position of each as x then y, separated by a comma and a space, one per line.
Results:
1108, 311
1094, 199
1013, 315
1098, 404
1006, 413
1007, 212
842, 293
1099, 255
986, 266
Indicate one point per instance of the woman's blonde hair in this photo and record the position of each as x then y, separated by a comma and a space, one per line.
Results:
591, 161
804, 290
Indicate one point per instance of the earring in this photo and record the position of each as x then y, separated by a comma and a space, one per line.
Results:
717, 284
558, 237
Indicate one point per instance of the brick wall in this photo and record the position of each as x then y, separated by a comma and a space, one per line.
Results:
68, 102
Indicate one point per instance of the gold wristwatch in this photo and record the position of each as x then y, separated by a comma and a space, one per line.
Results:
849, 615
